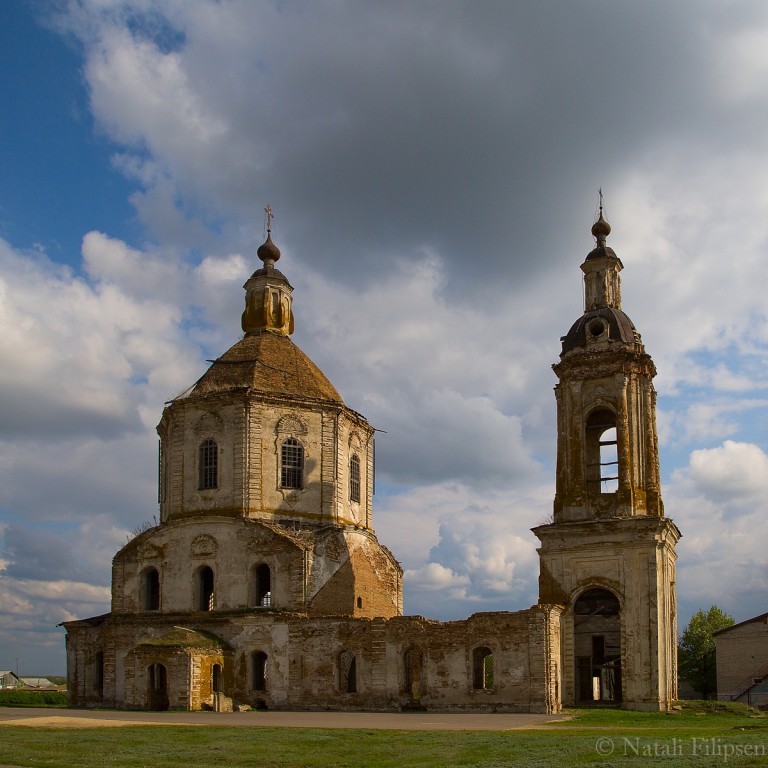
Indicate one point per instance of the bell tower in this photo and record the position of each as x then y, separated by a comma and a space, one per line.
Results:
609, 554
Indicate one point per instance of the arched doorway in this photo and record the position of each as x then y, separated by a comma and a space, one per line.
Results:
157, 687
597, 647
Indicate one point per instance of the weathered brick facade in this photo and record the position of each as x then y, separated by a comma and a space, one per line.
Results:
264, 583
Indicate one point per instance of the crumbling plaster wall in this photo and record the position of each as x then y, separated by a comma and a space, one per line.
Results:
249, 431
304, 656
354, 573
633, 558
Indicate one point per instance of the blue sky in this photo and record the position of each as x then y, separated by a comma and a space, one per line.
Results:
57, 181
434, 172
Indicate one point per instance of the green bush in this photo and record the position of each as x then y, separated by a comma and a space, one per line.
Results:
22, 698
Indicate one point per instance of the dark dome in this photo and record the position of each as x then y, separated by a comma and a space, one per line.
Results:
620, 328
602, 252
266, 362
270, 272
268, 251
601, 228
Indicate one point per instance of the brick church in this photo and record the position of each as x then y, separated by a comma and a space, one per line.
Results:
264, 583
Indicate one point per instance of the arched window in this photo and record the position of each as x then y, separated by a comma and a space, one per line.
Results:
347, 672
205, 596
482, 668
208, 465
216, 678
259, 670
602, 455
291, 464
150, 590
262, 586
354, 478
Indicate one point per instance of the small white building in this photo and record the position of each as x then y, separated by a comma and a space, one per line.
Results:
9, 679
742, 662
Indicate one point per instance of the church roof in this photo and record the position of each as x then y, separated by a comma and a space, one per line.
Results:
620, 328
266, 362
181, 637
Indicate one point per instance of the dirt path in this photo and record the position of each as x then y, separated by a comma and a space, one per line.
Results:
408, 721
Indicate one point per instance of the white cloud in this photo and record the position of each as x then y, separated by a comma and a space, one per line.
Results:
718, 501
64, 591
144, 94
434, 577
464, 550
736, 474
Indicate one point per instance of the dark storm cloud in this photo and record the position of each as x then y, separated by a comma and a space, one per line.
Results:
41, 556
33, 414
481, 130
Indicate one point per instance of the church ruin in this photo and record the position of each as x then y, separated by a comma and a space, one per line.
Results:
264, 583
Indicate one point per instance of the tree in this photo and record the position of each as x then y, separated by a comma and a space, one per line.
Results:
696, 650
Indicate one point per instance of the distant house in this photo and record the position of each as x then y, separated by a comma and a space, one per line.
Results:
36, 682
742, 662
9, 679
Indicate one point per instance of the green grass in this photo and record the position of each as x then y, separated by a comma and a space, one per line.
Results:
633, 739
695, 714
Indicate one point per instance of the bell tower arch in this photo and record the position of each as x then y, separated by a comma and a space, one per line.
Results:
610, 547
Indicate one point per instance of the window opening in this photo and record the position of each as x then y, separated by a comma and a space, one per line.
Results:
359, 602
413, 663
151, 597
208, 465
216, 678
291, 463
205, 589
98, 674
263, 585
482, 668
347, 672
259, 671
602, 452
354, 478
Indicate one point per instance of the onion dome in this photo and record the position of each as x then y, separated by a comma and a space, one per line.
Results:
268, 252
601, 229
268, 303
603, 320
